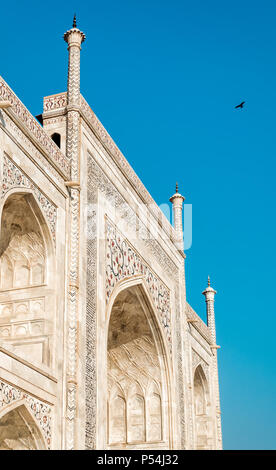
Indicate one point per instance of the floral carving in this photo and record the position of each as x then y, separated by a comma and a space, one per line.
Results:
8, 394
122, 261
39, 410
14, 178
54, 102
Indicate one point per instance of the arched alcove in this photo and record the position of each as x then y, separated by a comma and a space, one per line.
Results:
117, 412
137, 371
136, 419
27, 297
56, 137
201, 409
18, 431
154, 413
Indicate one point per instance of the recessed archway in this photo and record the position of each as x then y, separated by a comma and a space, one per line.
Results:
18, 431
137, 374
26, 279
201, 409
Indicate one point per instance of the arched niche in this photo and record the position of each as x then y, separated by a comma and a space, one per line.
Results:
201, 409
56, 137
136, 419
18, 431
117, 411
137, 367
27, 291
154, 412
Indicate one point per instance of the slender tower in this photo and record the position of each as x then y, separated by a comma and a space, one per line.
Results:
74, 38
209, 294
182, 330
177, 202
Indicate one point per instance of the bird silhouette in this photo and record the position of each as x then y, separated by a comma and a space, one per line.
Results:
240, 105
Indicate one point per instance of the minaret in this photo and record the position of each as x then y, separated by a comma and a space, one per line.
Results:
209, 294
74, 37
177, 202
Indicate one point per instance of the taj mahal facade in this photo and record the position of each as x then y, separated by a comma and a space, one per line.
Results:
99, 348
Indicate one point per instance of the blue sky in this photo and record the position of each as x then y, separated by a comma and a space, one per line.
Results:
164, 77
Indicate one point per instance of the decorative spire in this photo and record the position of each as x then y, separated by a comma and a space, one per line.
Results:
73, 33
177, 194
75, 21
209, 288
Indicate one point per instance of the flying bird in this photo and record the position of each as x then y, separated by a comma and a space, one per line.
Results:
240, 105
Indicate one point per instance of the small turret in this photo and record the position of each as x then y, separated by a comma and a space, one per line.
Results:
209, 294
74, 38
177, 201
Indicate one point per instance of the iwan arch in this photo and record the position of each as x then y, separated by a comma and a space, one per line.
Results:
99, 348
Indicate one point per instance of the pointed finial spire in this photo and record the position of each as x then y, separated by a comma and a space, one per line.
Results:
75, 21
71, 33
209, 283
176, 187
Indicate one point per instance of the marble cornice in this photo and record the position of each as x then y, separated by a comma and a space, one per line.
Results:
30, 127
26, 363
198, 323
100, 132
55, 105
55, 113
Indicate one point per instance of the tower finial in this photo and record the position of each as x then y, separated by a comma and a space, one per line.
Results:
75, 21
71, 32
209, 283
176, 187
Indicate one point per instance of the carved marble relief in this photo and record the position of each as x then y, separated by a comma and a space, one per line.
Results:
97, 180
13, 178
18, 426
50, 103
20, 111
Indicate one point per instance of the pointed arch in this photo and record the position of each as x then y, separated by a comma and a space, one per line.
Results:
27, 267
117, 431
138, 282
201, 408
19, 431
136, 418
138, 359
154, 405
35, 207
200, 391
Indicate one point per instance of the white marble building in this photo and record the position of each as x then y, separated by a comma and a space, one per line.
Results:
98, 347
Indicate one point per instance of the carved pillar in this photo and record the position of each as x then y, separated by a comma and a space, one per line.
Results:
209, 294
74, 37
177, 202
